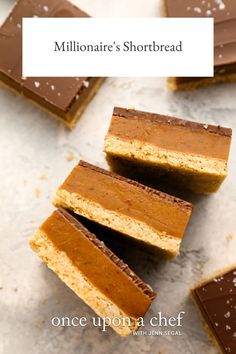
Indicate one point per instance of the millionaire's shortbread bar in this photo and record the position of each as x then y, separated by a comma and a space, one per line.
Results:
63, 97
194, 155
216, 300
144, 214
92, 271
224, 14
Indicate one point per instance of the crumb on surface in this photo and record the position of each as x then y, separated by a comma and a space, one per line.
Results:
39, 324
229, 237
43, 178
70, 156
37, 192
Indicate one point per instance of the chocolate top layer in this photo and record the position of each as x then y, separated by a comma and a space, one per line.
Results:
171, 134
58, 92
98, 264
224, 13
160, 211
217, 301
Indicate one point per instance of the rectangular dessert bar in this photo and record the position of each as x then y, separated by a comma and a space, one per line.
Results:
193, 152
144, 214
216, 300
224, 13
92, 271
63, 97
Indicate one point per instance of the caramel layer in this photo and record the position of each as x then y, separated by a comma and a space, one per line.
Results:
160, 211
99, 265
171, 133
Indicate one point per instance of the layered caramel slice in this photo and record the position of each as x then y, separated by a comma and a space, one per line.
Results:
224, 14
144, 214
63, 97
92, 271
216, 300
195, 154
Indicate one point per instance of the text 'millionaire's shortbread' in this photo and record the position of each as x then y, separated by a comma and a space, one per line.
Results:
144, 214
216, 300
92, 271
196, 154
224, 14
63, 97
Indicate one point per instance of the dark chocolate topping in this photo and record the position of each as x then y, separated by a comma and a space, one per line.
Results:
217, 301
59, 92
224, 13
118, 262
159, 118
168, 198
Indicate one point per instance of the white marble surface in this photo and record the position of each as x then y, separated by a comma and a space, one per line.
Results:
33, 145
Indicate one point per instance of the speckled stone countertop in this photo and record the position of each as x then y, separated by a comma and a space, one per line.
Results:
37, 153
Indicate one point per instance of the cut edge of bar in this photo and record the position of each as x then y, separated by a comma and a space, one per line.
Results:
164, 196
161, 118
138, 282
161, 241
173, 159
